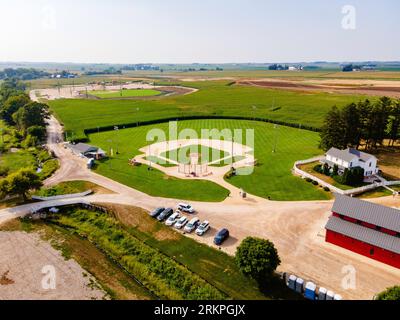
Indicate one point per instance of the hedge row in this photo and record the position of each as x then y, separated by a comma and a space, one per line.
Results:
198, 117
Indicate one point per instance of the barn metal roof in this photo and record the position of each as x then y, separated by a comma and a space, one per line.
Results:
83, 148
385, 217
364, 234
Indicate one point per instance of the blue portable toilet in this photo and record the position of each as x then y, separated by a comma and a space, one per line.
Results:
310, 291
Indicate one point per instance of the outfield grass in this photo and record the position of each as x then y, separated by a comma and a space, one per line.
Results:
214, 98
131, 93
272, 177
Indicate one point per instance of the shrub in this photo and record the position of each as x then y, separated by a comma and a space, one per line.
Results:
327, 189
392, 293
318, 168
4, 171
315, 183
351, 177
49, 167
326, 170
309, 180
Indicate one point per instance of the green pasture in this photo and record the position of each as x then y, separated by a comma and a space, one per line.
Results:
272, 176
214, 98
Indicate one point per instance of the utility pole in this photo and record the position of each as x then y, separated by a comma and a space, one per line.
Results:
116, 129
150, 156
59, 88
232, 161
254, 112
275, 137
120, 85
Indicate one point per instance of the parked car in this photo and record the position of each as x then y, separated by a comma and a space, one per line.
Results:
181, 223
221, 236
172, 219
184, 207
192, 225
155, 213
203, 228
165, 214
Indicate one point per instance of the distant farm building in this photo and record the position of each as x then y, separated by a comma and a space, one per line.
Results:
365, 228
88, 151
352, 158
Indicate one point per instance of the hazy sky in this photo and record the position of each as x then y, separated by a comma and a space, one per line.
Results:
185, 31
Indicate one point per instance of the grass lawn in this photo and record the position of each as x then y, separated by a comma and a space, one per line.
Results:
379, 192
309, 168
71, 187
272, 177
17, 160
130, 93
213, 98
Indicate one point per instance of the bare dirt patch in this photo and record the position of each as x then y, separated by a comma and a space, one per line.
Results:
23, 257
373, 88
166, 235
389, 163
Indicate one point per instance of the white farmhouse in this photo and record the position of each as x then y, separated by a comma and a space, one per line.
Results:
351, 158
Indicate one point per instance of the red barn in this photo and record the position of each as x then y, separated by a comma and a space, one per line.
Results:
365, 228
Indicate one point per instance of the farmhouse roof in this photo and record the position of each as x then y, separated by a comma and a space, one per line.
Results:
349, 154
364, 234
83, 148
378, 215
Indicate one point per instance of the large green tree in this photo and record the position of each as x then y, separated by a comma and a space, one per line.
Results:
351, 121
32, 114
393, 128
20, 183
11, 87
333, 130
392, 293
12, 105
257, 258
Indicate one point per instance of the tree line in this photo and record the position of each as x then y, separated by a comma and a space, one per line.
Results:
28, 120
370, 124
18, 110
23, 74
